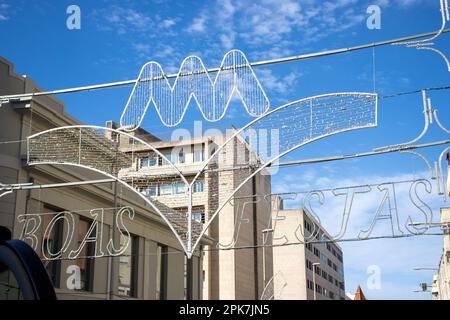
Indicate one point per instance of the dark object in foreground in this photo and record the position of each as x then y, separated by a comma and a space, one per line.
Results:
31, 276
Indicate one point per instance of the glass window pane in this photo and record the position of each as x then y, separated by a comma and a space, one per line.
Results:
198, 154
52, 243
85, 263
150, 191
128, 266
180, 188
165, 189
150, 161
168, 155
198, 186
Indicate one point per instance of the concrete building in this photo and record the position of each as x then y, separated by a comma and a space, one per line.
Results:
311, 271
154, 265
228, 274
441, 280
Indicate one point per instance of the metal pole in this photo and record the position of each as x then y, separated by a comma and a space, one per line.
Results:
111, 269
264, 264
189, 217
316, 264
314, 282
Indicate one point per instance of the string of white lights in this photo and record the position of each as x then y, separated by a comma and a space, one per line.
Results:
260, 246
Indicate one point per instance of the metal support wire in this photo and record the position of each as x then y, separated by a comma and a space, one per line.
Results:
29, 186
29, 96
426, 44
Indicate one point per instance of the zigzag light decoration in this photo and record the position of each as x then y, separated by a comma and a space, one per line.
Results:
193, 81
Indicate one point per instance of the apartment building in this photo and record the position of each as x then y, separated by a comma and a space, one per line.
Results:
440, 289
311, 270
152, 267
227, 274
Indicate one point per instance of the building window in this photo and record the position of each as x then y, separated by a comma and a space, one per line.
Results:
317, 270
330, 278
165, 189
199, 154
168, 156
331, 294
86, 264
198, 216
128, 266
181, 158
179, 188
178, 156
199, 186
309, 264
324, 275
161, 272
317, 233
307, 226
316, 252
318, 288
52, 243
150, 161
151, 191
310, 284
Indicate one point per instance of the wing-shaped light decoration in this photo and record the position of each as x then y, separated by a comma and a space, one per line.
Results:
294, 124
288, 128
86, 147
194, 82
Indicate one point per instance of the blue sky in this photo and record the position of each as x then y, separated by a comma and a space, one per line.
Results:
118, 37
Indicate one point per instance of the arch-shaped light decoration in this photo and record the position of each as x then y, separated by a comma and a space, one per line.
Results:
294, 124
194, 82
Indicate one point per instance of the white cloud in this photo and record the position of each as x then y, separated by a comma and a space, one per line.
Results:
197, 25
167, 23
129, 20
227, 40
277, 83
142, 48
407, 3
270, 22
4, 11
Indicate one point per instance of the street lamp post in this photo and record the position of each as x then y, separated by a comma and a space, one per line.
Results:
314, 278
424, 286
